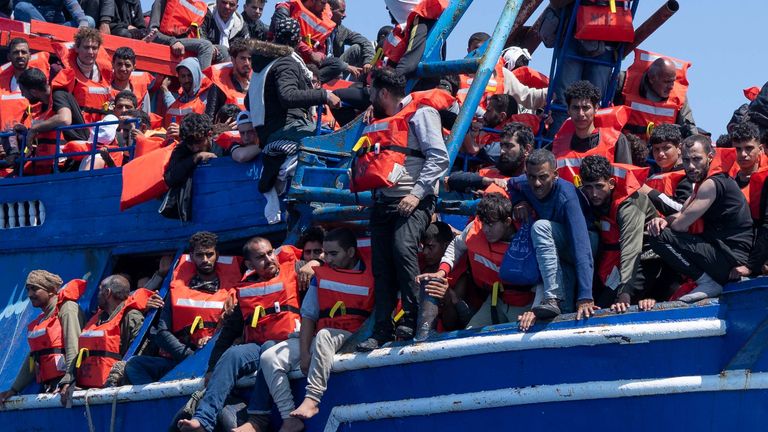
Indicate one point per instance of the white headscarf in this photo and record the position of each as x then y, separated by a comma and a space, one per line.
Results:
400, 9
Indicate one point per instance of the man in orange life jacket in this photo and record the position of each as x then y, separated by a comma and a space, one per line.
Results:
125, 77
402, 211
655, 86
667, 187
54, 334
230, 83
193, 94
583, 99
176, 345
501, 110
267, 311
750, 156
180, 38
14, 107
339, 300
709, 257
622, 213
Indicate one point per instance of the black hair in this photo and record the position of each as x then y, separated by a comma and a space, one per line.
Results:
237, 46
312, 234
450, 83
692, 140
595, 168
343, 236
141, 115
724, 141
387, 78
195, 127
33, 79
541, 156
227, 111
520, 131
438, 231
314, 69
582, 90
666, 132
503, 103
477, 37
124, 53
203, 239
127, 94
247, 2
16, 41
639, 149
383, 33
334, 4
494, 207
745, 131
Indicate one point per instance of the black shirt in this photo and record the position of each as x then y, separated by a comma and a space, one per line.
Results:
64, 99
180, 166
728, 219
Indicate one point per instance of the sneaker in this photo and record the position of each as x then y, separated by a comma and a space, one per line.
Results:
404, 332
548, 309
368, 345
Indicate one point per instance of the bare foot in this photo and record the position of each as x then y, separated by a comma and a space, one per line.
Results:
292, 425
306, 410
191, 425
247, 427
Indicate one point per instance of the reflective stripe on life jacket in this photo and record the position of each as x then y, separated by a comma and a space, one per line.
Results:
221, 76
314, 30
92, 97
271, 308
383, 146
45, 337
13, 105
138, 84
345, 297
179, 109
183, 17
396, 44
643, 112
495, 85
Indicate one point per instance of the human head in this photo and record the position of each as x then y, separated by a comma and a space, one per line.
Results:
597, 182
190, 75
240, 53
186, 80
260, 258
340, 246
41, 287
476, 41
125, 101
123, 63
87, 43
515, 143
287, 32
338, 10
112, 291
315, 6
746, 140
495, 213
697, 154
541, 170
515, 57
34, 85
450, 83
661, 76
311, 243
382, 34
196, 131
498, 109
724, 141
434, 242
387, 90
227, 113
665, 146
582, 99
638, 148
253, 9
226, 8
203, 250
248, 134
315, 75
145, 123
19, 54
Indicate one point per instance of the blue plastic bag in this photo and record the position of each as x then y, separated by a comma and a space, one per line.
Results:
519, 266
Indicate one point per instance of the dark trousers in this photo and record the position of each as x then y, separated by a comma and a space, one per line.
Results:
394, 243
692, 256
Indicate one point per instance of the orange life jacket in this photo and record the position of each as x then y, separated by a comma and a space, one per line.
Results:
495, 85
396, 43
484, 261
754, 193
92, 97
100, 343
145, 144
86, 146
45, 141
271, 308
179, 109
667, 182
530, 120
383, 146
13, 105
138, 84
198, 312
598, 22
628, 179
143, 178
45, 337
345, 297
644, 114
337, 84
183, 18
227, 139
751, 93
221, 76
314, 30
531, 77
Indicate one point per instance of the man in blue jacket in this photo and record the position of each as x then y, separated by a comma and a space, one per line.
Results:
563, 243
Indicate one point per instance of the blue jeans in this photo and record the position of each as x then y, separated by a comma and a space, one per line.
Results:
261, 399
26, 11
237, 361
556, 263
147, 369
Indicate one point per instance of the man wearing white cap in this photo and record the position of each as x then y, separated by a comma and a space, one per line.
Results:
248, 148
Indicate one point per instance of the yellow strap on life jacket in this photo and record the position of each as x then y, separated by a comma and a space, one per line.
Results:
196, 30
364, 141
378, 56
399, 315
577, 181
197, 324
649, 128
31, 363
495, 293
259, 312
612, 4
29, 109
80, 355
339, 305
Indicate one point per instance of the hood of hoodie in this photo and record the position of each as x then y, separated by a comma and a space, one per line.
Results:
193, 64
264, 53
400, 9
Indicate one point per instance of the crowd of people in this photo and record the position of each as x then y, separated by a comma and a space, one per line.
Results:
627, 205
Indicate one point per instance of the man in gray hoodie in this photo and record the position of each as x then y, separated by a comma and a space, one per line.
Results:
190, 78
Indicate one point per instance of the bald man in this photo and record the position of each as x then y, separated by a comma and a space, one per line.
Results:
656, 96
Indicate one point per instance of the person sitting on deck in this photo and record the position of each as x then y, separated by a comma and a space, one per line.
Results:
223, 26
267, 311
14, 107
126, 77
52, 335
563, 243
230, 80
500, 111
193, 92
123, 18
177, 25
668, 187
726, 241
750, 154
64, 12
357, 58
203, 297
314, 17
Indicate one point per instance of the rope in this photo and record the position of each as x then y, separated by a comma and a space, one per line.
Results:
88, 413
114, 411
